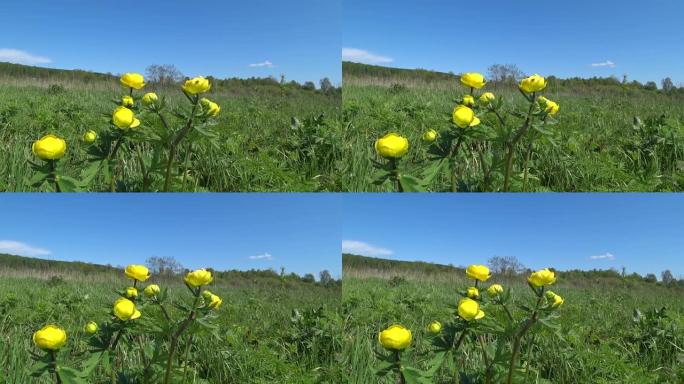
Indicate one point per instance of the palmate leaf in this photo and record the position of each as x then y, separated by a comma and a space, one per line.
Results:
384, 368
411, 183
416, 376
71, 376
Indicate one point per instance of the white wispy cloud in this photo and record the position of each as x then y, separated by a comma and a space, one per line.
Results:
263, 256
364, 249
605, 256
362, 56
22, 249
17, 56
263, 64
607, 63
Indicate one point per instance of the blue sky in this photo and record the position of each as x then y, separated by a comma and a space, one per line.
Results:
300, 232
642, 232
564, 38
300, 39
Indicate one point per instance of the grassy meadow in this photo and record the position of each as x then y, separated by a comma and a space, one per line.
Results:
608, 136
599, 336
269, 329
268, 136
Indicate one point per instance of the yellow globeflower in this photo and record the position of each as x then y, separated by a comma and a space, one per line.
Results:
472, 293
211, 109
495, 290
468, 100
435, 327
551, 107
124, 309
196, 85
430, 136
487, 98
534, 83
469, 309
211, 300
127, 101
198, 278
473, 80
464, 117
478, 272
137, 272
124, 118
151, 290
554, 299
50, 338
131, 292
90, 136
132, 80
391, 146
91, 327
542, 277
150, 98
395, 338
49, 147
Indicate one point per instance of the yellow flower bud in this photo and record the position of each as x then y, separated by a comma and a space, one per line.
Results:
152, 290
49, 147
472, 293
542, 277
90, 136
50, 338
127, 101
131, 292
464, 117
554, 300
469, 309
132, 80
211, 109
551, 107
124, 118
478, 272
495, 290
473, 80
137, 272
430, 136
91, 328
196, 85
211, 300
468, 100
392, 145
395, 338
150, 98
124, 309
487, 98
435, 327
198, 278
534, 83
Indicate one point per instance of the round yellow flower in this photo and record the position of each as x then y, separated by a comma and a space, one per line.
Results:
468, 100
534, 83
473, 80
132, 80
198, 278
469, 309
131, 292
395, 338
464, 117
495, 290
430, 136
472, 293
50, 338
124, 309
211, 300
196, 85
90, 136
211, 109
392, 145
542, 277
137, 272
127, 101
487, 98
478, 272
124, 118
435, 327
551, 107
91, 327
554, 299
150, 98
49, 147
151, 290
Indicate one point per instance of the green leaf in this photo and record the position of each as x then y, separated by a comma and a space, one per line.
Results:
68, 184
71, 376
415, 376
411, 183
